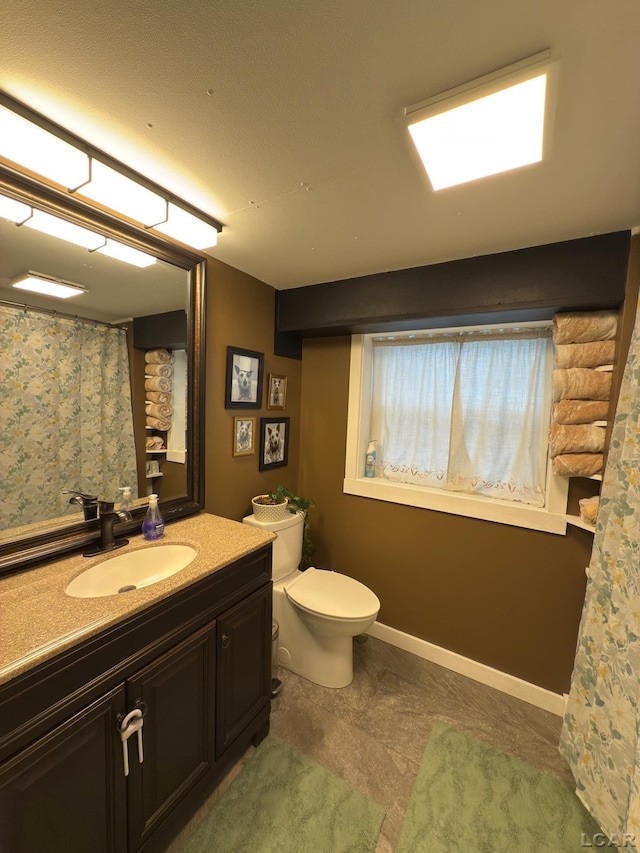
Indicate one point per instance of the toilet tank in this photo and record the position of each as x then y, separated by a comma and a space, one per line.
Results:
287, 546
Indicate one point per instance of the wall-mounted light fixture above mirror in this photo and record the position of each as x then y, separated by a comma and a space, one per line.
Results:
34, 144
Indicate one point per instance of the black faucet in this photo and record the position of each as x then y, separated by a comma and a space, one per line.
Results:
89, 503
108, 517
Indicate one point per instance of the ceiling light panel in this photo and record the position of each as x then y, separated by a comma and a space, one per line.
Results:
47, 285
492, 126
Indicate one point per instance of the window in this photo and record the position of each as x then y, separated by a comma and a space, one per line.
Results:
461, 419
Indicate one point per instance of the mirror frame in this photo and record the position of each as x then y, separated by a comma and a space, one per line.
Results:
55, 542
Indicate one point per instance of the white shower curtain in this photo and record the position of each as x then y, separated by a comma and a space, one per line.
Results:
602, 721
65, 414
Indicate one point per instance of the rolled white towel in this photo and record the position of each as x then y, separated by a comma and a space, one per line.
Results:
581, 327
157, 356
159, 410
159, 370
589, 508
159, 397
580, 383
593, 354
577, 464
157, 383
575, 438
580, 411
158, 423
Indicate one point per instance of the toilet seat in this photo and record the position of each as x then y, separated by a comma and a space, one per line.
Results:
332, 595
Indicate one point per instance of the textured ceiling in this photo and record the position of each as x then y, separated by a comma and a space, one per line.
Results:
281, 118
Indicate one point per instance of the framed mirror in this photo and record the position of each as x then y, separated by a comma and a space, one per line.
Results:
150, 308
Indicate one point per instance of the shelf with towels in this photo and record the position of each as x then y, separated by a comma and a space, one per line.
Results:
153, 476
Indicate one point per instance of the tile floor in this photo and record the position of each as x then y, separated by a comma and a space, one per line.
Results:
373, 733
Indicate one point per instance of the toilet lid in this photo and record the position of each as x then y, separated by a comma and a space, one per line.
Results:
333, 594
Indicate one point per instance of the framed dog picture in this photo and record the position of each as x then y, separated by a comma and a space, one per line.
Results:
244, 379
244, 430
274, 443
277, 395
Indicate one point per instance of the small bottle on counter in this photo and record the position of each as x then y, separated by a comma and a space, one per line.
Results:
126, 502
153, 525
370, 459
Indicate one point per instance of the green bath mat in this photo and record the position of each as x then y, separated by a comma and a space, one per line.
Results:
469, 797
283, 802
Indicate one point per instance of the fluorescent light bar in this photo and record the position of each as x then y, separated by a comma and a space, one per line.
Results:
484, 128
47, 285
187, 228
125, 253
38, 146
14, 211
40, 151
118, 192
55, 227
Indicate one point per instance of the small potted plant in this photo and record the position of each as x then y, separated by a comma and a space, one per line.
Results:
295, 503
269, 508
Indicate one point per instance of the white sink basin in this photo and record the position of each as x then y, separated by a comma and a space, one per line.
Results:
133, 570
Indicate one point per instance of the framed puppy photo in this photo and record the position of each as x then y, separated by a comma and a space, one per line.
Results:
244, 430
244, 379
277, 393
274, 443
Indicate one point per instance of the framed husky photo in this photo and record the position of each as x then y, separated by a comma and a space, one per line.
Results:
277, 391
244, 379
244, 430
274, 443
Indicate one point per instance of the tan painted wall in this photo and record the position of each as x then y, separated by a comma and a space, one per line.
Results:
240, 313
505, 596
501, 595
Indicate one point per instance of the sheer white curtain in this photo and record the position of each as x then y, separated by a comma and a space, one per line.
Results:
465, 411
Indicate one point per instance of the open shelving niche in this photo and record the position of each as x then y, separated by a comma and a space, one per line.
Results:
575, 520
174, 438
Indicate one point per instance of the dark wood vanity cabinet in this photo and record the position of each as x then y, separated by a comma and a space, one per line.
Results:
197, 665
178, 729
64, 791
243, 689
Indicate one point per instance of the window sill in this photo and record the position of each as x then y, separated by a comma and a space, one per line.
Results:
456, 503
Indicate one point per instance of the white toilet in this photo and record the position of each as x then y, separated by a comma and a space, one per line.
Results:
318, 612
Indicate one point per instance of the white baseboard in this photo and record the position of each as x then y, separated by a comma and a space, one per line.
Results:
538, 696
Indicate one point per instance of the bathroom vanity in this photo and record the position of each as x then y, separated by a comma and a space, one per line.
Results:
191, 653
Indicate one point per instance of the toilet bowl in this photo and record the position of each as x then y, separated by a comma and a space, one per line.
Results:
318, 612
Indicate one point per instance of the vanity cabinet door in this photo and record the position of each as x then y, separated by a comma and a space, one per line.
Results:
65, 793
243, 678
178, 732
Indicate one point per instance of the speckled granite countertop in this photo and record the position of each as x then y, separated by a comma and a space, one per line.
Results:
38, 620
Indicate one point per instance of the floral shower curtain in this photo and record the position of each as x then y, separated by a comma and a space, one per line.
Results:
602, 721
65, 414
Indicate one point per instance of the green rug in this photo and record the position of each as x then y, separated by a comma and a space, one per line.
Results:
469, 797
284, 802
